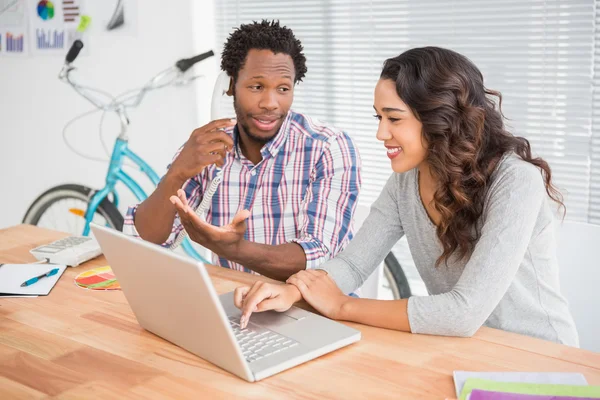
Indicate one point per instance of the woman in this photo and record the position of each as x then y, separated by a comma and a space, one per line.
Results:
473, 202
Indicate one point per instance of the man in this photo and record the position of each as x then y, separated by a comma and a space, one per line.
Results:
290, 184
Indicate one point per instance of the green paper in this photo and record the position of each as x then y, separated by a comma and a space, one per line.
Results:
84, 22
529, 388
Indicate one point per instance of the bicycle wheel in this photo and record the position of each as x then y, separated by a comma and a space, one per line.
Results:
394, 278
62, 208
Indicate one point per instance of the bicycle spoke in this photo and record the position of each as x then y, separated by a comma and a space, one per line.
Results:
53, 215
79, 221
59, 217
63, 209
71, 227
56, 217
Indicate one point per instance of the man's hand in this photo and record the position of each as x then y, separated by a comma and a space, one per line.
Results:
320, 291
263, 297
223, 240
207, 145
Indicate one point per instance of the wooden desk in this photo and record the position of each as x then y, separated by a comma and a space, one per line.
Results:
77, 344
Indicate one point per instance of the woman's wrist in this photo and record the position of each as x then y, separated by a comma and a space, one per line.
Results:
293, 293
345, 308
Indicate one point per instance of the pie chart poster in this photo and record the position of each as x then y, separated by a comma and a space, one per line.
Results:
53, 25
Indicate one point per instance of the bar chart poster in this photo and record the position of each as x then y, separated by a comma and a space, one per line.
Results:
12, 43
15, 43
50, 38
13, 28
46, 27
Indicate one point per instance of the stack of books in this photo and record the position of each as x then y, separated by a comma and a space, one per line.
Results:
523, 386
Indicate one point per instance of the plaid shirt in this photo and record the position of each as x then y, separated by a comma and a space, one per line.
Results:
304, 190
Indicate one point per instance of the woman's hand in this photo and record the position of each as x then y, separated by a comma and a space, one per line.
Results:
264, 296
320, 291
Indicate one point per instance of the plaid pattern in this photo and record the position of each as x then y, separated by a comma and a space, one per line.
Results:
304, 190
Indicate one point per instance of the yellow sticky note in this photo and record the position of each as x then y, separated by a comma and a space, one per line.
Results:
84, 22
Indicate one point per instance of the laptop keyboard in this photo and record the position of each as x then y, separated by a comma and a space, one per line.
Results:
258, 342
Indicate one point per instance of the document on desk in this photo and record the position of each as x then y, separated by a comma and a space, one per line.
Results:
529, 388
13, 276
477, 394
562, 378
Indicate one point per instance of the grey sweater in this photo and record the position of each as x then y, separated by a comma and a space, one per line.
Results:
509, 282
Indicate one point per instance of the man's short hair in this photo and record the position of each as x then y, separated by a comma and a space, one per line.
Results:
265, 35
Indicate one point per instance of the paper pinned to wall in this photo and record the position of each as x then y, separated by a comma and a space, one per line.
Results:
46, 27
12, 13
117, 17
53, 25
13, 28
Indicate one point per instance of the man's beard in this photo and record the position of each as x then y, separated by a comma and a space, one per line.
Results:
244, 124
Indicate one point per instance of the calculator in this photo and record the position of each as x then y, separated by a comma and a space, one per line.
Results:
71, 251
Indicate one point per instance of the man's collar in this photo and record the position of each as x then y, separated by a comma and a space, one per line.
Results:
274, 145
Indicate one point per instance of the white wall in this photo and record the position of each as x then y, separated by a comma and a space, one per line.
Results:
35, 105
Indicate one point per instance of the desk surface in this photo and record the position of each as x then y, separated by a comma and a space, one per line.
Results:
77, 343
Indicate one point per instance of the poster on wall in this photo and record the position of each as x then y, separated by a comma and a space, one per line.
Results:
54, 25
49, 27
119, 17
13, 28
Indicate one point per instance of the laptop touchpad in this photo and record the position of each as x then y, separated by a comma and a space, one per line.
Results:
271, 319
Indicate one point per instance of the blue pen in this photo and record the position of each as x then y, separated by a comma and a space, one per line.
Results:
37, 278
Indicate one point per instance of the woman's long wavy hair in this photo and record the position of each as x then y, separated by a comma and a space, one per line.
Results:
465, 136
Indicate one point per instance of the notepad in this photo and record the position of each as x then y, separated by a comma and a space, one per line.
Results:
563, 378
529, 388
13, 275
477, 394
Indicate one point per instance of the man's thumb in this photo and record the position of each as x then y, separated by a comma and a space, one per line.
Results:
240, 217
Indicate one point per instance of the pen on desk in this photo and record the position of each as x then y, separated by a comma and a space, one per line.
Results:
37, 278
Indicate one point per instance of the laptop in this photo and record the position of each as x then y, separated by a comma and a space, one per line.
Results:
173, 297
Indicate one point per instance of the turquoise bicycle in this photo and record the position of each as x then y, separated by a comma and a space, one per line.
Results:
72, 207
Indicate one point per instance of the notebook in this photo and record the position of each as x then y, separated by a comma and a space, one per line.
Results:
486, 395
529, 388
563, 378
13, 275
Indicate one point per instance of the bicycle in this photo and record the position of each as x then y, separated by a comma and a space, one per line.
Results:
74, 206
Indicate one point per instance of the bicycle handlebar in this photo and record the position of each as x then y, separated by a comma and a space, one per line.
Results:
186, 63
130, 99
74, 51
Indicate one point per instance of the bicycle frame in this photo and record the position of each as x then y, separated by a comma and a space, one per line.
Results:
116, 174
121, 151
